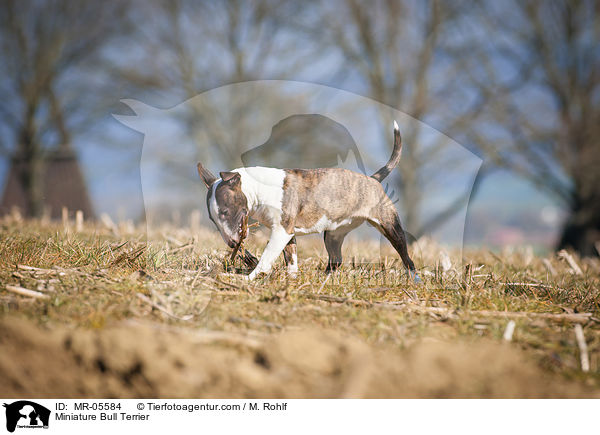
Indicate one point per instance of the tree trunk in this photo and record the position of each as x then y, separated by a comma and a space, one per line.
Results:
32, 184
582, 229
32, 172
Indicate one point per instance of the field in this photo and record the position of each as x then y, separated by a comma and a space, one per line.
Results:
116, 311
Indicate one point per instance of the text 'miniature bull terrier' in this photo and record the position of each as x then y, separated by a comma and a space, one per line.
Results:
333, 201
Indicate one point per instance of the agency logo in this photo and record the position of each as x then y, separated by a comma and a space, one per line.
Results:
25, 414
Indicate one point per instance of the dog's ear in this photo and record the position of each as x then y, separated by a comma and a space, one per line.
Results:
230, 177
206, 175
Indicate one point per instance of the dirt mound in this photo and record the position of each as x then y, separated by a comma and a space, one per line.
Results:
147, 360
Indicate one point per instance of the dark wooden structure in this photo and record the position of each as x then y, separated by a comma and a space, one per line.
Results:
63, 186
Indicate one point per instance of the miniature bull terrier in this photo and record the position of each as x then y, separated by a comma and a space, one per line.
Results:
291, 202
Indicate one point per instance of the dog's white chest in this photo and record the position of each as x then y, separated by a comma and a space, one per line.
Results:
263, 188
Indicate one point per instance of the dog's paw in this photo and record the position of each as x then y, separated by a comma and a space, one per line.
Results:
253, 275
415, 277
292, 271
258, 272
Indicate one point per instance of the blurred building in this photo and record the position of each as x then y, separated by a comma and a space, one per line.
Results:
63, 185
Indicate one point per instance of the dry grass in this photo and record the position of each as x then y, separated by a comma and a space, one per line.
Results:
176, 277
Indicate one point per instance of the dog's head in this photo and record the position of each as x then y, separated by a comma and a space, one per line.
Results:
227, 204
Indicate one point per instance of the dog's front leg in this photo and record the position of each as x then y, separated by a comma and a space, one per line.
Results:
279, 238
290, 257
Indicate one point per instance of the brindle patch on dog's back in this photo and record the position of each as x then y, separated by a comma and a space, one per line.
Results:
310, 194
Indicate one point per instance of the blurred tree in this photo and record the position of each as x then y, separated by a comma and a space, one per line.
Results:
205, 45
52, 87
396, 51
537, 66
395, 48
516, 81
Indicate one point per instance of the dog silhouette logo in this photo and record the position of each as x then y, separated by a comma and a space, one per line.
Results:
306, 141
26, 414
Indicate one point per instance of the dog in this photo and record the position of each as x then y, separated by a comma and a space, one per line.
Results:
291, 202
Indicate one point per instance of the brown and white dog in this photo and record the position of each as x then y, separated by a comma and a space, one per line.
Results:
332, 201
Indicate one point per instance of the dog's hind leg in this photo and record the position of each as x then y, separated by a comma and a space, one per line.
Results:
333, 243
388, 224
290, 257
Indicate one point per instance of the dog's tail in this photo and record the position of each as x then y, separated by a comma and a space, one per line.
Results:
394, 160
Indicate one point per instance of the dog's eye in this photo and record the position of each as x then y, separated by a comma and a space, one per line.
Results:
225, 213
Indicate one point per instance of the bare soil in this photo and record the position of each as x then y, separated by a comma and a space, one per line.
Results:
148, 360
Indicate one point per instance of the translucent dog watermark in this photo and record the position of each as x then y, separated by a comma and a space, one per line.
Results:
288, 124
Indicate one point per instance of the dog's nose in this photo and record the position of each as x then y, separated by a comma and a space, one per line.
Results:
231, 242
